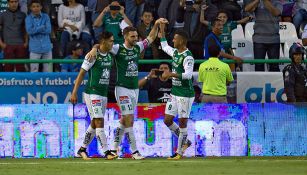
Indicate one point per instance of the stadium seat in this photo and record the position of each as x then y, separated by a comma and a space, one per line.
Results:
237, 33
244, 49
287, 32
249, 31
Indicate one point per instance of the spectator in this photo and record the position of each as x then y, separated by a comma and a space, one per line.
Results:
76, 53
13, 41
214, 74
228, 26
143, 30
134, 9
266, 39
71, 17
96, 7
38, 27
189, 13
231, 6
213, 39
158, 88
168, 9
299, 13
152, 5
295, 75
304, 36
114, 20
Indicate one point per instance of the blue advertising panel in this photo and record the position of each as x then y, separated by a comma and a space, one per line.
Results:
37, 88
276, 129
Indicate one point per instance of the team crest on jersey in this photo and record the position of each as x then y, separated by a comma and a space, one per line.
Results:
132, 66
105, 74
96, 103
124, 100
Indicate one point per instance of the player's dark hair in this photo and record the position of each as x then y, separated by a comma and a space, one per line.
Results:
184, 35
214, 50
129, 29
105, 35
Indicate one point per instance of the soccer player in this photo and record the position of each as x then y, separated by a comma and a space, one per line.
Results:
182, 93
126, 90
95, 94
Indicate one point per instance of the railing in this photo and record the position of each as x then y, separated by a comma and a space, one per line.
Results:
198, 61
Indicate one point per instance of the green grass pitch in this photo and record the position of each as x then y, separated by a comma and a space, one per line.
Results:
157, 166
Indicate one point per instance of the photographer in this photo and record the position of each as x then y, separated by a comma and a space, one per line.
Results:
114, 20
158, 89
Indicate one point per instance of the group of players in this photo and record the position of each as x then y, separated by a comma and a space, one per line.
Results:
98, 63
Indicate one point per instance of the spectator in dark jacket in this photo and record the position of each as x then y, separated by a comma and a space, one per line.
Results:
13, 38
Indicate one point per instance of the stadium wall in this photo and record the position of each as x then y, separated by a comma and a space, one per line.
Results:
56, 130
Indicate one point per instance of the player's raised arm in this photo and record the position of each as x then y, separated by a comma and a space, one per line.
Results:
165, 47
154, 31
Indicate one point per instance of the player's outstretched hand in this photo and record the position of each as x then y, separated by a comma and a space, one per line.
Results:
74, 98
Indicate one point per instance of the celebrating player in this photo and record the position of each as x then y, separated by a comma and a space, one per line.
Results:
95, 94
182, 93
126, 90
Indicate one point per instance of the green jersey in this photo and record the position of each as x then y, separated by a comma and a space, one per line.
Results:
99, 74
126, 61
115, 26
182, 64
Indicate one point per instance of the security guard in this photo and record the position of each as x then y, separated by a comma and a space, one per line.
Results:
295, 75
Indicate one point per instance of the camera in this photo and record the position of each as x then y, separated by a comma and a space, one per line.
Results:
114, 7
159, 72
189, 2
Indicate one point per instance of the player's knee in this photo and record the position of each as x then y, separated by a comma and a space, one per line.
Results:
98, 122
168, 121
183, 122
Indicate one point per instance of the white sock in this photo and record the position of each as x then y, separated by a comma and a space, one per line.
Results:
131, 139
120, 130
182, 139
102, 139
89, 136
175, 129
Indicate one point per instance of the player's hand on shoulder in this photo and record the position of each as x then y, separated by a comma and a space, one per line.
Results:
91, 56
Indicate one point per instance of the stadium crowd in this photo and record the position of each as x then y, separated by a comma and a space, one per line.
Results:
54, 28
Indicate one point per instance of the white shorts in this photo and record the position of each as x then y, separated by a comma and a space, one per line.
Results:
127, 99
96, 105
179, 105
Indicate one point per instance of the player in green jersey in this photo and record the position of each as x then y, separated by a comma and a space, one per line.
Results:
127, 56
95, 94
182, 93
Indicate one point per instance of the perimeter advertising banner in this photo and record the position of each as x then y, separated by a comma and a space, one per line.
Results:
260, 87
37, 88
58, 131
